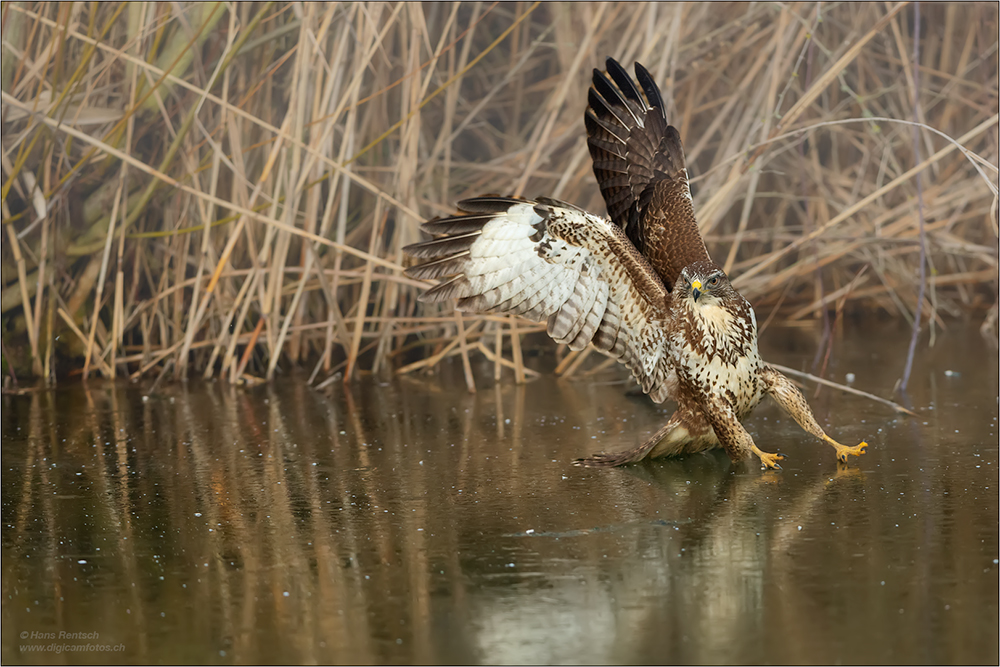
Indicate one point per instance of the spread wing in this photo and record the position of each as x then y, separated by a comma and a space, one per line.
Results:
549, 260
639, 165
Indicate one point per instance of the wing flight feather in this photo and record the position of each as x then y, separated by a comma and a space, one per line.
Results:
546, 260
639, 165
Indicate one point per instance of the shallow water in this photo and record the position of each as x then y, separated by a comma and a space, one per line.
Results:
409, 521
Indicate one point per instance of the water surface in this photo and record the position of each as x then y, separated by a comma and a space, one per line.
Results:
407, 521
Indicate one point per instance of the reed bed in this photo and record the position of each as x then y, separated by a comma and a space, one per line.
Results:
224, 189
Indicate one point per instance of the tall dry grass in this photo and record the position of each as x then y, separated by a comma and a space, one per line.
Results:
225, 189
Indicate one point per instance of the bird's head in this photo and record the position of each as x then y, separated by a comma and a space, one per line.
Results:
705, 283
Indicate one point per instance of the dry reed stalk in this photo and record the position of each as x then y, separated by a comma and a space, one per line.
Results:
607, 363
515, 345
566, 361
248, 350
498, 352
83, 339
23, 284
100, 283
362, 303
851, 390
491, 356
463, 348
433, 360
572, 368
43, 255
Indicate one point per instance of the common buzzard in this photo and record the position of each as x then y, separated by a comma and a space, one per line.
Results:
640, 286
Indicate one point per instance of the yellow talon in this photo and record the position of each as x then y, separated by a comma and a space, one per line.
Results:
844, 451
770, 460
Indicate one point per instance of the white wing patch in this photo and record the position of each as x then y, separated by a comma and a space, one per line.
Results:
548, 261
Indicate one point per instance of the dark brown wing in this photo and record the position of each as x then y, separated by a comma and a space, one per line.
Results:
639, 165
546, 260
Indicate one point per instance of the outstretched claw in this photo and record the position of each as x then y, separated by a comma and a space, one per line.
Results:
768, 460
843, 451
791, 401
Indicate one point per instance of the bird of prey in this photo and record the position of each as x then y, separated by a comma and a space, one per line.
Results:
639, 286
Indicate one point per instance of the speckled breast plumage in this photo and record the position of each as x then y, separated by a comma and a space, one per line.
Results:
714, 352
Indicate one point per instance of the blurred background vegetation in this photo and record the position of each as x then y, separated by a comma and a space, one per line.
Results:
224, 189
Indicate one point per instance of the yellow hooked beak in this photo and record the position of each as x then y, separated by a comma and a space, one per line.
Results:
696, 289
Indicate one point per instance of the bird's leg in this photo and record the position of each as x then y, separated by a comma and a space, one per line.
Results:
733, 437
631, 455
734, 432
791, 401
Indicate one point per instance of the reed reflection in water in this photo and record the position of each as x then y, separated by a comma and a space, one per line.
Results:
412, 522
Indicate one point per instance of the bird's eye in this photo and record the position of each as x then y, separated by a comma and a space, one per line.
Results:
713, 281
